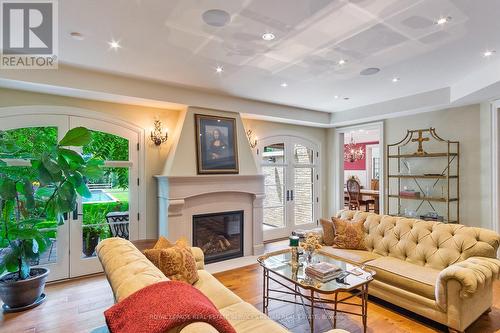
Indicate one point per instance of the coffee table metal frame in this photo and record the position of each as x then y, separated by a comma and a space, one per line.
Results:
313, 295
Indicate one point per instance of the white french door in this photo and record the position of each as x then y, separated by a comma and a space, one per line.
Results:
291, 169
113, 208
112, 211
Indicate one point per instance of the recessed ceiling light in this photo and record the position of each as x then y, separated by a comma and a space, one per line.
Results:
443, 20
77, 35
395, 79
342, 62
219, 69
336, 97
115, 45
268, 36
488, 53
284, 84
216, 17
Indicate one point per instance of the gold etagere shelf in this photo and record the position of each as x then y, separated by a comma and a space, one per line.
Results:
447, 177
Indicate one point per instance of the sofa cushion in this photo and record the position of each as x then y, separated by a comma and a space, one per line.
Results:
215, 291
244, 317
328, 231
175, 261
349, 235
402, 274
352, 256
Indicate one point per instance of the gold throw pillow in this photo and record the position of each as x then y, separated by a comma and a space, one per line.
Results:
328, 231
349, 235
176, 262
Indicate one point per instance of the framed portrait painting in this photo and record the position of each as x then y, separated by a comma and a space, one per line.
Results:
217, 151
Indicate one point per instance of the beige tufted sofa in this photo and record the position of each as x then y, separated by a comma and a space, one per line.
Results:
441, 271
128, 270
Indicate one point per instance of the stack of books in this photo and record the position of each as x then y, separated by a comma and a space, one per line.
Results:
323, 271
409, 194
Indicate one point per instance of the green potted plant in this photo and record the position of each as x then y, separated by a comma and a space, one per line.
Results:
46, 192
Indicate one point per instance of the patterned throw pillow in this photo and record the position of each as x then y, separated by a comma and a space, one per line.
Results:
328, 231
176, 262
349, 235
163, 243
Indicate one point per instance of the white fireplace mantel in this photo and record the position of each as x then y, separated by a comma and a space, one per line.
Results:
179, 197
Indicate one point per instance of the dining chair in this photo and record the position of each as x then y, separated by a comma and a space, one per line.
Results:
355, 198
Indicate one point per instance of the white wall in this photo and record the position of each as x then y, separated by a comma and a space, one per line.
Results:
462, 124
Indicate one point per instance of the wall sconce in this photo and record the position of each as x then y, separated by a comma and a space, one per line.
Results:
156, 135
251, 139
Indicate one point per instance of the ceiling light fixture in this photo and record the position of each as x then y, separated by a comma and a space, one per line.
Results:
346, 98
284, 84
115, 45
268, 36
443, 20
336, 97
488, 53
342, 62
219, 69
395, 79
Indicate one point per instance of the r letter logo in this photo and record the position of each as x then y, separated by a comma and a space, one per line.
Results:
28, 34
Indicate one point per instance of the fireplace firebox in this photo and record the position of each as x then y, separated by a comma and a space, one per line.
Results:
219, 235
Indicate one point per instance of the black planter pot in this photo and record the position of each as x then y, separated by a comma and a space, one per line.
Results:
89, 246
23, 293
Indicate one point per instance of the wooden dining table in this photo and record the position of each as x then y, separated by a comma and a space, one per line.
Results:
369, 193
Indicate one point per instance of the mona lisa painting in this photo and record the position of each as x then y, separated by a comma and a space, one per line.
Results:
216, 144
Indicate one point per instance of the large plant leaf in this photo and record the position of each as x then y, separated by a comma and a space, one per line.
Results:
77, 136
93, 169
7, 189
83, 190
50, 164
44, 193
71, 155
44, 175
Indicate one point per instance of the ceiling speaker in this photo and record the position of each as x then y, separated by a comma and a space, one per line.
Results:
369, 71
216, 17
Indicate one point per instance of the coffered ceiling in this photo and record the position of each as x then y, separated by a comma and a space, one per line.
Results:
169, 41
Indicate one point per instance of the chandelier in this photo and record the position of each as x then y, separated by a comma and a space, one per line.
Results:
353, 152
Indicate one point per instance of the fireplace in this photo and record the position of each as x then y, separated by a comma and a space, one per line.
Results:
219, 235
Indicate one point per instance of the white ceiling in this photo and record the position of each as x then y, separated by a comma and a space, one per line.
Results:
168, 41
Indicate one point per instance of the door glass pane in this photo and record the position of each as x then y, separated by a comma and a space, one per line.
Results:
274, 154
106, 213
107, 147
275, 196
302, 154
303, 195
32, 141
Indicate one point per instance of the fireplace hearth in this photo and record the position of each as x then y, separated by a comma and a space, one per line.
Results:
219, 235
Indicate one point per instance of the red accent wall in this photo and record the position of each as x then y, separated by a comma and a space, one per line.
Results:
359, 164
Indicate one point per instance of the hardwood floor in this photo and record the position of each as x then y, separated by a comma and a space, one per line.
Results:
77, 306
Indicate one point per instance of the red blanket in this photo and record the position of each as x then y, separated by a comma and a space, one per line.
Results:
163, 306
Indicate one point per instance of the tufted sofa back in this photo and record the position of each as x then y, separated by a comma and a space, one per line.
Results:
426, 243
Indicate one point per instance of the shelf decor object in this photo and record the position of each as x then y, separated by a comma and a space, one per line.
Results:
424, 163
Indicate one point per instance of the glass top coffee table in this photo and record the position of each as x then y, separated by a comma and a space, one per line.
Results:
312, 292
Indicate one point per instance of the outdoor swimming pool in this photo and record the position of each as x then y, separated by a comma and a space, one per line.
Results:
99, 196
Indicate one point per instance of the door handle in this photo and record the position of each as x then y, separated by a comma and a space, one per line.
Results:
287, 195
75, 214
291, 195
